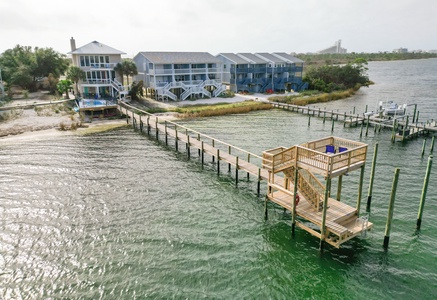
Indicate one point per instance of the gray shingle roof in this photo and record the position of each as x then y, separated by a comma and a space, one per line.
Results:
271, 57
253, 58
96, 48
289, 57
180, 57
235, 58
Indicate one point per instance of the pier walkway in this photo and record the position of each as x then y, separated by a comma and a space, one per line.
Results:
290, 173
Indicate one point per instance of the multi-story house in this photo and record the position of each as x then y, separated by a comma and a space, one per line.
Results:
262, 72
102, 86
179, 75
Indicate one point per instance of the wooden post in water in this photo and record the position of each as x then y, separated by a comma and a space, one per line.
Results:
423, 147
309, 120
266, 214
198, 138
293, 216
332, 126
203, 155
188, 146
424, 190
176, 138
417, 117
340, 182
354, 111
324, 116
325, 206
414, 112
229, 164
258, 188
372, 177
404, 129
318, 114
156, 127
431, 150
141, 125
360, 191
344, 119
218, 162
367, 125
390, 209
248, 160
148, 125
393, 132
165, 131
236, 171
365, 109
362, 126
213, 145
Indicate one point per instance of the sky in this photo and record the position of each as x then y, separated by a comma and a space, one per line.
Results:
221, 25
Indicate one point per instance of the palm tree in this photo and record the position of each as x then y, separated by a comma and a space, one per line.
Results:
63, 87
76, 74
126, 67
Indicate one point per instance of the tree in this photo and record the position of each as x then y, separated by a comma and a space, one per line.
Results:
137, 90
75, 74
63, 87
23, 66
126, 67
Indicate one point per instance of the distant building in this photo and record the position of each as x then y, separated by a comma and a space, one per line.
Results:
333, 49
262, 72
179, 75
400, 50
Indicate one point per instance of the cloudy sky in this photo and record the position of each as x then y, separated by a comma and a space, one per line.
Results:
221, 25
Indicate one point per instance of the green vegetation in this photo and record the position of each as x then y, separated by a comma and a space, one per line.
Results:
75, 74
220, 109
126, 68
338, 78
63, 86
311, 97
322, 59
137, 90
25, 67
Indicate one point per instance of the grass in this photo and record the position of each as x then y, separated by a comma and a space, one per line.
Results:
311, 97
221, 109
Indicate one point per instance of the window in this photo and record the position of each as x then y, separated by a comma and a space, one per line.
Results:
82, 61
107, 59
150, 66
87, 61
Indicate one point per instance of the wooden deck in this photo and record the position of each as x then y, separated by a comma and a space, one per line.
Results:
341, 220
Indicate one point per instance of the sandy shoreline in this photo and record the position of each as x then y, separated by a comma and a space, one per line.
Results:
31, 123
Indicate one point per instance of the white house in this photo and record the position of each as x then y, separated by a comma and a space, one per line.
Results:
98, 60
179, 75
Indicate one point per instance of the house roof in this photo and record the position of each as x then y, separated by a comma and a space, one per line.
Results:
289, 57
253, 57
271, 57
235, 58
96, 48
180, 57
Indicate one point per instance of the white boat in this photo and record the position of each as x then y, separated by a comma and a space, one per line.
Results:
390, 108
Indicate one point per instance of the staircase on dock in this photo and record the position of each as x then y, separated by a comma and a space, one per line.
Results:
314, 161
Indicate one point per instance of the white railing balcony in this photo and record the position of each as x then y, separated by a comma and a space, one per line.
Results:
96, 81
100, 66
199, 70
163, 71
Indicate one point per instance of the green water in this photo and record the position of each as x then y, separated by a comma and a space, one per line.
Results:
117, 215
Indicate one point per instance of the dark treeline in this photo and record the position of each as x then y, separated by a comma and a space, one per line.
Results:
345, 58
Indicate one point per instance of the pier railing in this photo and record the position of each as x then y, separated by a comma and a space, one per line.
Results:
223, 146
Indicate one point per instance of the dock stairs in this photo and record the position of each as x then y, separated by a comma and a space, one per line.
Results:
312, 163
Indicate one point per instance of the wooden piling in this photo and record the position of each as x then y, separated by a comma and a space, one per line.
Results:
165, 132
236, 171
188, 147
339, 185
156, 127
361, 132
423, 147
325, 206
248, 160
176, 138
404, 129
414, 112
293, 216
424, 191
390, 209
213, 145
372, 177
360, 191
332, 126
229, 164
309, 120
431, 150
365, 109
266, 214
367, 125
198, 138
218, 162
393, 132
417, 117
203, 154
258, 187
324, 116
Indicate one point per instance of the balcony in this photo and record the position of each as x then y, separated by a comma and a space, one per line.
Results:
96, 82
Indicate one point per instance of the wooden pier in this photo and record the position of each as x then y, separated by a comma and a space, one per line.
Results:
412, 129
289, 173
